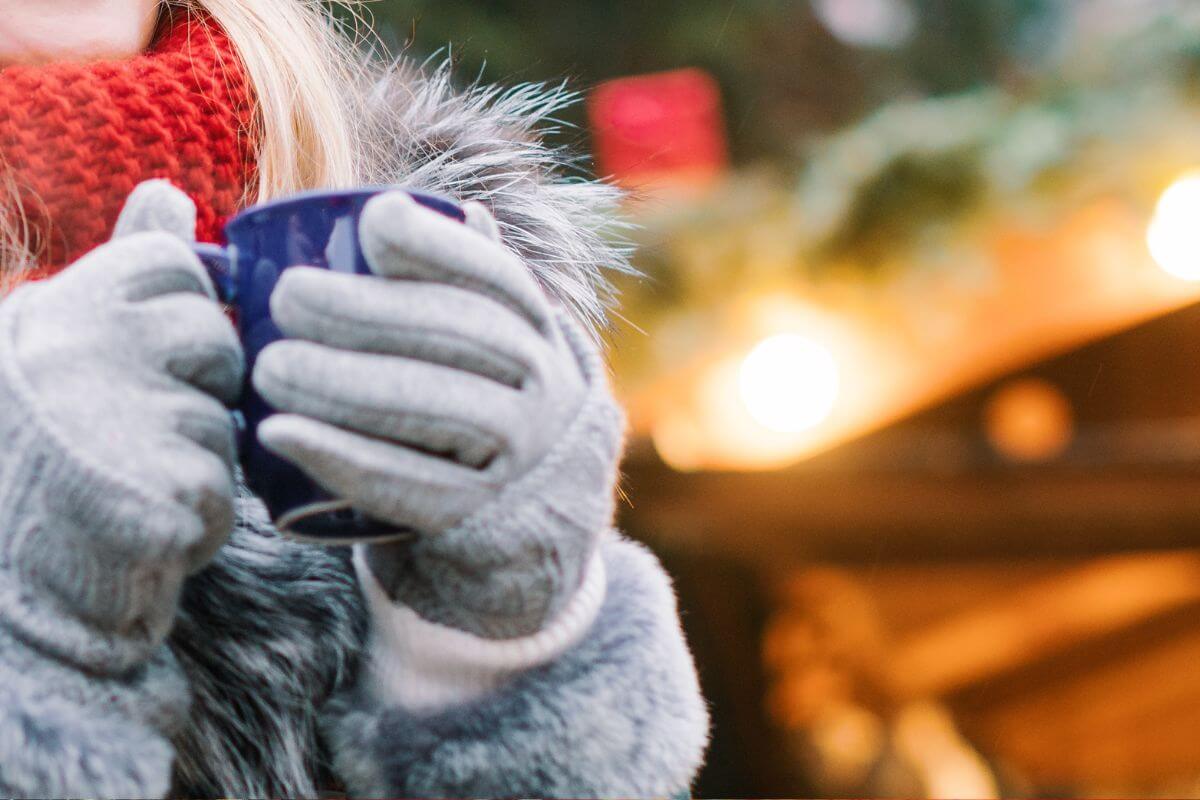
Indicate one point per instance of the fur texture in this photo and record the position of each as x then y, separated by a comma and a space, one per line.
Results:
265, 634
117, 747
487, 144
272, 630
618, 715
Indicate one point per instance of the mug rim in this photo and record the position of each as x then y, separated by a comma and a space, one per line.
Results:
282, 204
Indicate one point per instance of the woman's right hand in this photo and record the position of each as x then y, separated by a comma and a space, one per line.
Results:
116, 445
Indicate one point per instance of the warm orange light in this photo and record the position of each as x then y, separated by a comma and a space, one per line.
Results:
1029, 420
788, 383
1174, 233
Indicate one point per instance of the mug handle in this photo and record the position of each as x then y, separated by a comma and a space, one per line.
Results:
218, 261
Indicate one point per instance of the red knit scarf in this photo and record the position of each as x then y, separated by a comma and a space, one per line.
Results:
77, 137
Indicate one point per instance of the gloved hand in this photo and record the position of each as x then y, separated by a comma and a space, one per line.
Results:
116, 447
447, 394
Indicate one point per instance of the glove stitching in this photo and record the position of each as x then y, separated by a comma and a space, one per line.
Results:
455, 426
448, 337
598, 406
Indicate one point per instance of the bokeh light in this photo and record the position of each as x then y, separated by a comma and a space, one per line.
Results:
871, 23
789, 383
1174, 233
1029, 420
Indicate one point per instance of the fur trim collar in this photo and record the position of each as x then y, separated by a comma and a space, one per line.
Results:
486, 143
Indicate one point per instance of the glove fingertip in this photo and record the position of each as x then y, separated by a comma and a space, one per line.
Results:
278, 441
382, 212
286, 435
481, 220
382, 218
300, 289
157, 205
308, 444
267, 379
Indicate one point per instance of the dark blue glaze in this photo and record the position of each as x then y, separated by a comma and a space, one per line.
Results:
315, 229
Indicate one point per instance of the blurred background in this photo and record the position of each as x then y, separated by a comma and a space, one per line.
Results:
913, 370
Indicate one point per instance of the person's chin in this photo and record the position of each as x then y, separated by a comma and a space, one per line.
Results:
33, 34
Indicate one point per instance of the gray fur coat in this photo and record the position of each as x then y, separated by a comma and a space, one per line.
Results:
270, 634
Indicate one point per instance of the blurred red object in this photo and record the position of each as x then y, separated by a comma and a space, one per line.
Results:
662, 129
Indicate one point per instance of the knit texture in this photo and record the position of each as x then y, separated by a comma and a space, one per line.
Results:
617, 715
116, 478
422, 666
509, 568
106, 503
514, 399
77, 137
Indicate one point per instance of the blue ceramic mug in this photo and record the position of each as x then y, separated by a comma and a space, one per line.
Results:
313, 229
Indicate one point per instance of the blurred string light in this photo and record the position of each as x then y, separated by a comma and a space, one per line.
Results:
1174, 232
868, 23
788, 383
1029, 419
775, 396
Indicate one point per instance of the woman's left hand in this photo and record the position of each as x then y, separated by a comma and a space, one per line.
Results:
446, 394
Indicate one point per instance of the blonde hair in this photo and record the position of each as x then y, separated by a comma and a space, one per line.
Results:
16, 255
300, 61
303, 64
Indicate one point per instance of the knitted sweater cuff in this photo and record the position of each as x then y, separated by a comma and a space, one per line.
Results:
618, 714
82, 575
422, 666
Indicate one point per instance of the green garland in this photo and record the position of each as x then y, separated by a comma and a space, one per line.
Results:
903, 189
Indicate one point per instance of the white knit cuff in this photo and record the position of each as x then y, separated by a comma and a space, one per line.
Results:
423, 666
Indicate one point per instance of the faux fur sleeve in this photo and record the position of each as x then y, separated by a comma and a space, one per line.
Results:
620, 714
489, 144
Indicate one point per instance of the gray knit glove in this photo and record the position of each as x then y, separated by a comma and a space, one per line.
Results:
116, 447
446, 394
